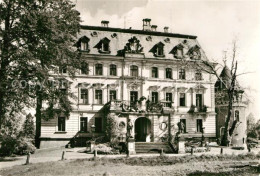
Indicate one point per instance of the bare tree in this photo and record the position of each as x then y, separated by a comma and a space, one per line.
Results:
230, 88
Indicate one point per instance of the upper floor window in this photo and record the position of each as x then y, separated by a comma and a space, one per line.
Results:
194, 52
182, 99
63, 70
236, 115
154, 72
112, 95
103, 46
168, 72
113, 70
158, 50
199, 101
84, 68
84, 96
182, 73
83, 44
198, 76
155, 97
99, 69
168, 99
98, 96
177, 51
134, 70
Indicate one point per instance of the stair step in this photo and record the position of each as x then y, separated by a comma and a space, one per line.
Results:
152, 147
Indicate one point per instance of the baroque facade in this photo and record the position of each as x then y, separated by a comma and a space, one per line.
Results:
144, 76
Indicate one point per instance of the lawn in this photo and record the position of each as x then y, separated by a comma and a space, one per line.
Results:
186, 165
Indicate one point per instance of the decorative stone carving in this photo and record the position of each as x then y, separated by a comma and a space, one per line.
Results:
133, 46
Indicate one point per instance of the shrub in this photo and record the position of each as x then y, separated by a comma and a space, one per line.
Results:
7, 146
24, 146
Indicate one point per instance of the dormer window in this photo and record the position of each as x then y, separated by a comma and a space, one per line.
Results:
103, 46
194, 52
158, 50
177, 51
83, 44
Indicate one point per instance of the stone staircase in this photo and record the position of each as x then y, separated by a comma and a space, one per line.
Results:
152, 147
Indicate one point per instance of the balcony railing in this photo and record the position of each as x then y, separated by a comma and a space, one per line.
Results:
140, 106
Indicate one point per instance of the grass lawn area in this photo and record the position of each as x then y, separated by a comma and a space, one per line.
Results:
229, 165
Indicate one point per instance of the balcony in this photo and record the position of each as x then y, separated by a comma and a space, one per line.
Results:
198, 109
141, 106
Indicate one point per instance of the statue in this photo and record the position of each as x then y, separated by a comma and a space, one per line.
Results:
181, 127
129, 128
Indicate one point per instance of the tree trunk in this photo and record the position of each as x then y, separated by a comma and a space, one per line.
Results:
38, 118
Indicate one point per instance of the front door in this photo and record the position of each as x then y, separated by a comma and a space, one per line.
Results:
142, 129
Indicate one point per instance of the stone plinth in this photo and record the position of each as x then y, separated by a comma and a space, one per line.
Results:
181, 144
131, 146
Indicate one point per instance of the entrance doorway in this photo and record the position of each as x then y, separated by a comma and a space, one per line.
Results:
142, 129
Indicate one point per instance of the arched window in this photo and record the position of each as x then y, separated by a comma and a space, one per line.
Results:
113, 70
182, 73
236, 115
134, 70
99, 69
154, 72
168, 72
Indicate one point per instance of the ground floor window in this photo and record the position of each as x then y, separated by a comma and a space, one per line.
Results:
98, 124
61, 124
199, 125
83, 124
184, 124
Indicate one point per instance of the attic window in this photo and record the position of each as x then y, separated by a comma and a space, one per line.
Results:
158, 50
177, 51
114, 35
194, 52
149, 38
167, 40
94, 34
83, 44
103, 46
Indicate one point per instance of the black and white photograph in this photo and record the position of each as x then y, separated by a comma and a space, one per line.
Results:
130, 87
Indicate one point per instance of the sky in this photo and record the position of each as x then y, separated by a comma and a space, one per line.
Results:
216, 23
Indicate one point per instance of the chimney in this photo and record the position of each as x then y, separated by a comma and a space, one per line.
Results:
104, 23
166, 28
146, 24
154, 27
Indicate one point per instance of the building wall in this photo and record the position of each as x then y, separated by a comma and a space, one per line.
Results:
144, 84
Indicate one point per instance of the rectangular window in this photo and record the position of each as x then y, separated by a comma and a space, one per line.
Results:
133, 97
199, 125
83, 124
63, 70
169, 99
182, 99
84, 68
105, 46
168, 73
61, 123
199, 101
84, 46
84, 96
98, 125
181, 74
98, 96
134, 71
112, 95
99, 69
155, 97
154, 72
184, 123
113, 70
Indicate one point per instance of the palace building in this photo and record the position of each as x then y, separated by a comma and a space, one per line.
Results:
148, 77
